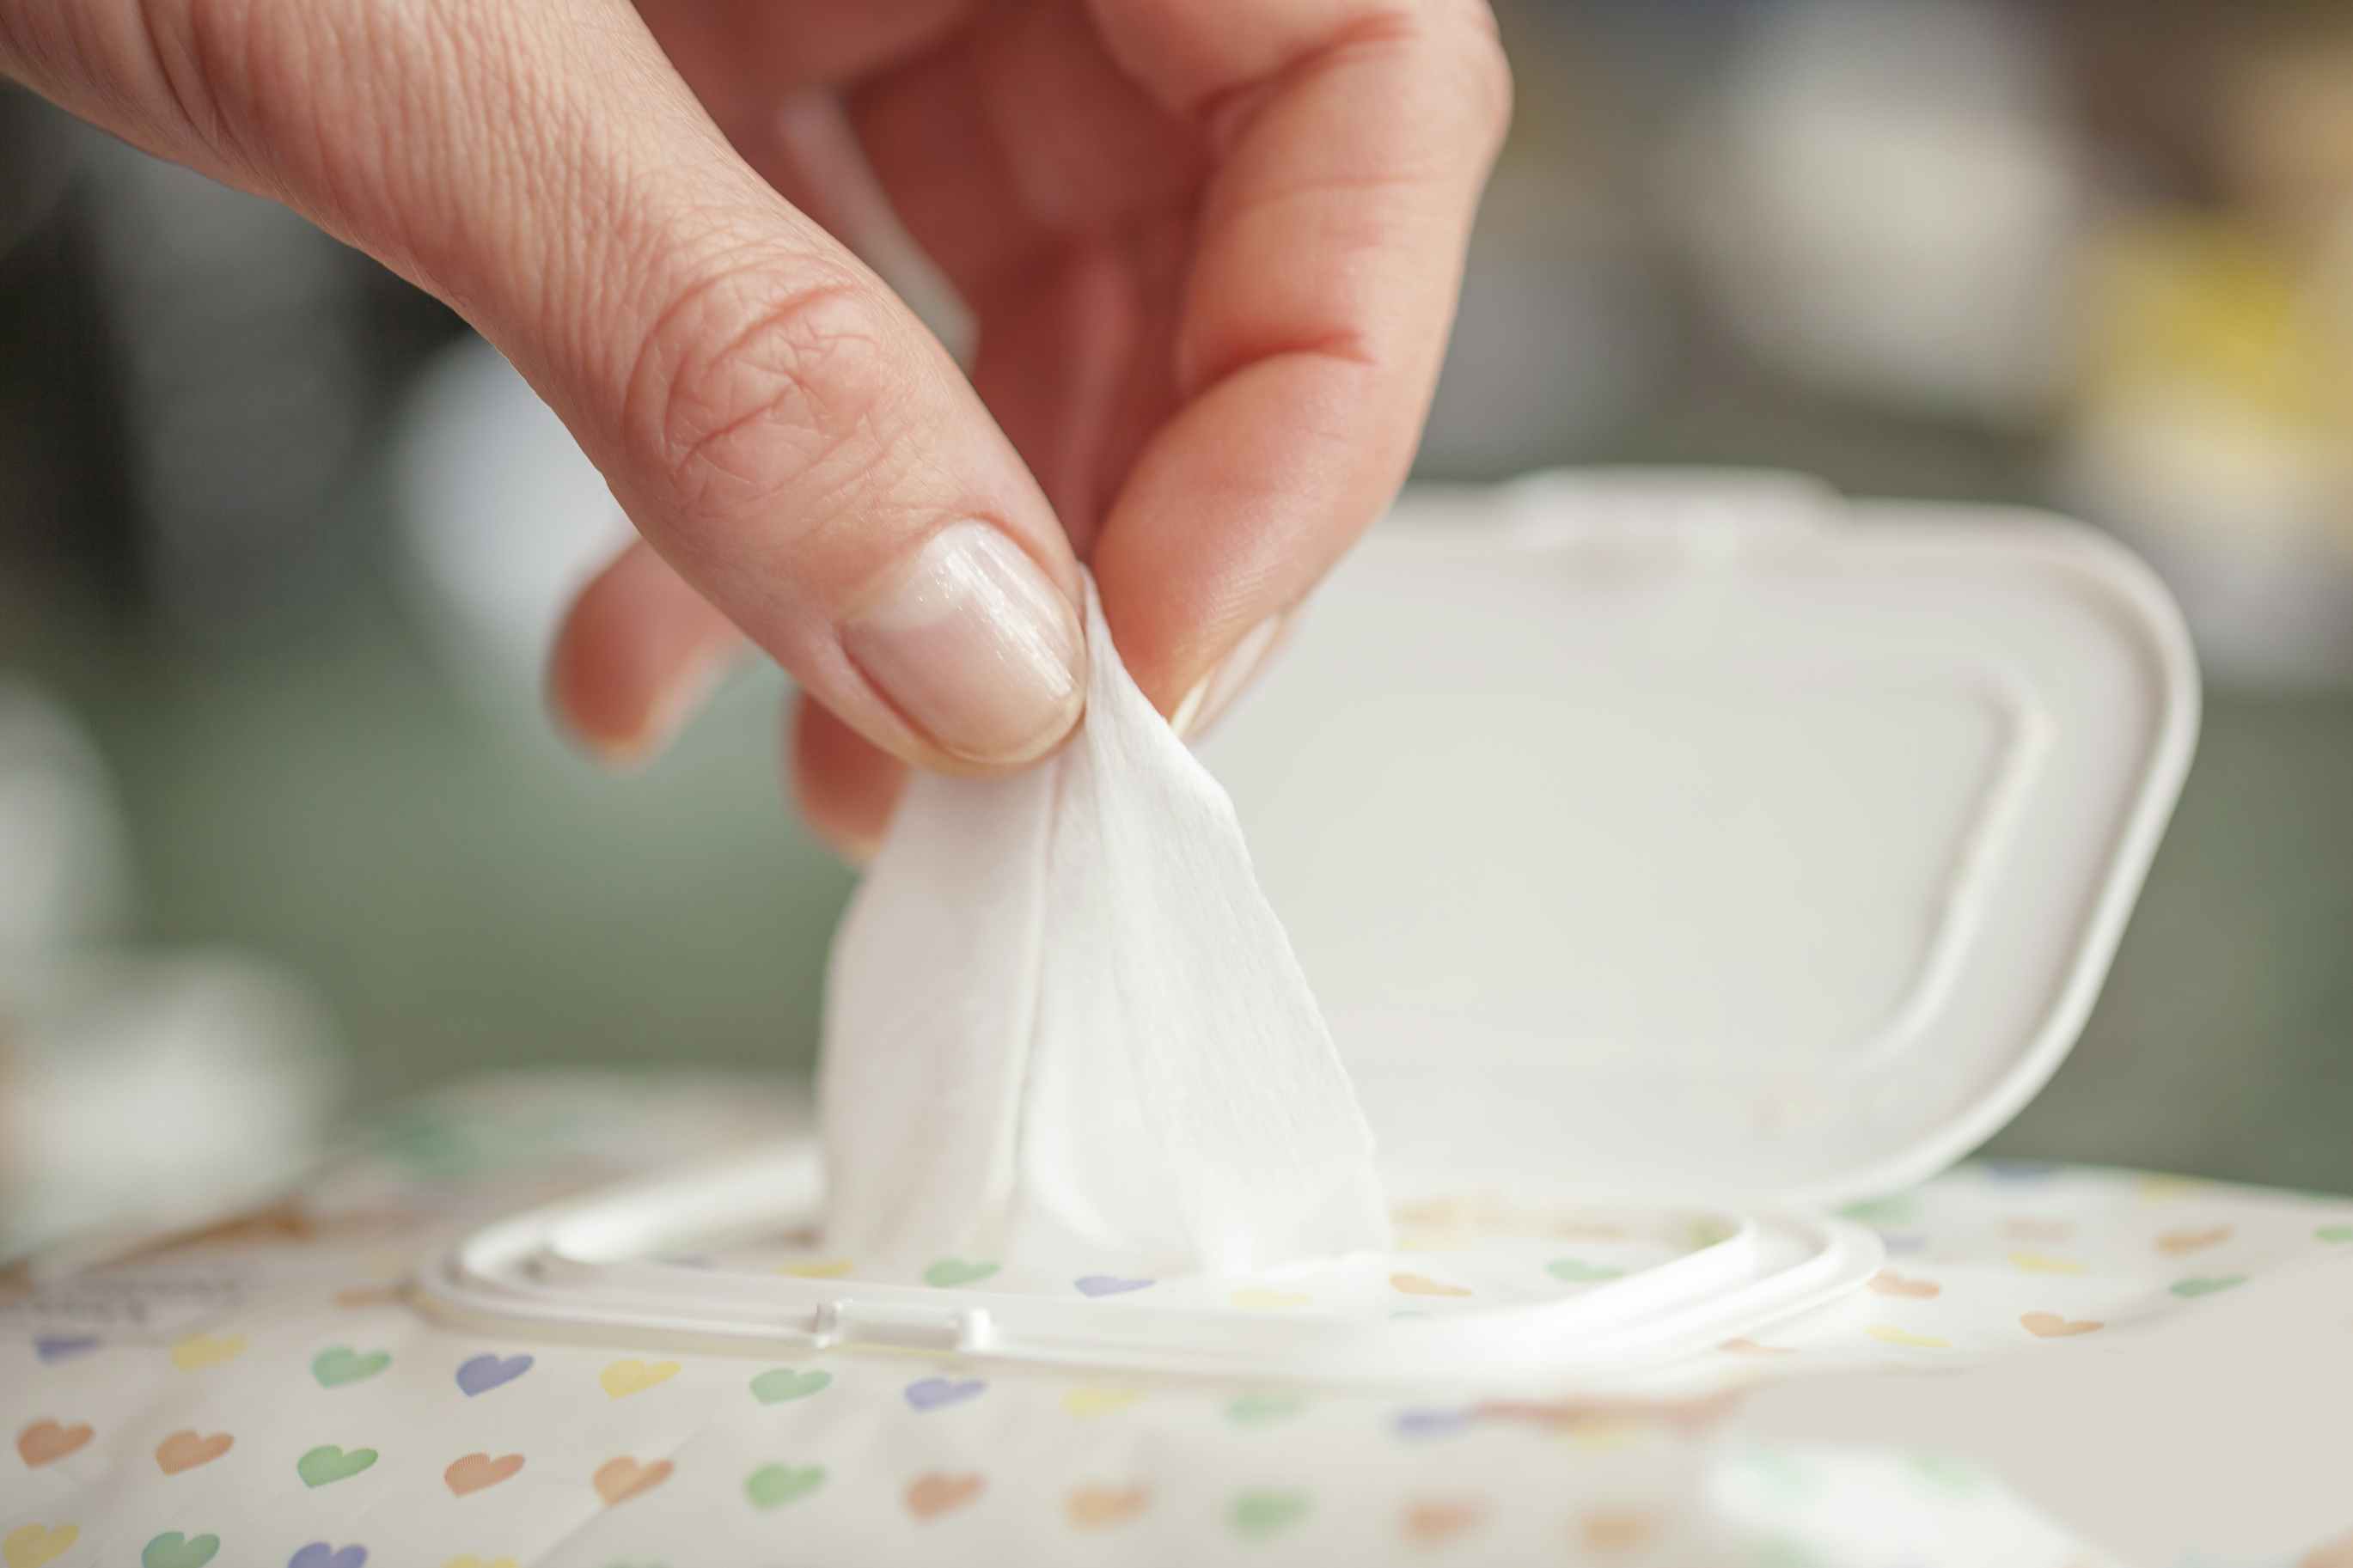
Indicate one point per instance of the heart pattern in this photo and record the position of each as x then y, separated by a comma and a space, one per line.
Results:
482, 1374
63, 1347
618, 1480
773, 1486
822, 1268
320, 1555
327, 1463
1099, 1508
950, 1272
45, 1441
1577, 1271
2181, 1243
2335, 1233
340, 1364
1108, 1285
1887, 1282
2190, 1290
2052, 1326
184, 1450
1889, 1334
1432, 1422
30, 1545
469, 1561
1422, 1285
1263, 1409
624, 1378
174, 1550
198, 1351
1086, 1403
1258, 1514
930, 1496
476, 1471
779, 1384
938, 1393
1436, 1520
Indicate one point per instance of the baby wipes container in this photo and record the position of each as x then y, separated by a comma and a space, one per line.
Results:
1675, 858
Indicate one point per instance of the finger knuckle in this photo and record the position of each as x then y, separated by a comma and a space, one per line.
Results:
755, 382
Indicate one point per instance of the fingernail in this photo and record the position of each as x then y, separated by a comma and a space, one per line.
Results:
976, 647
1215, 691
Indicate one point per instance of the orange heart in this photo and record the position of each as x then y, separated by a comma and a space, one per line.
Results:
45, 1440
1437, 1519
2052, 1326
619, 1480
475, 1471
1617, 1531
1094, 1508
1887, 1282
360, 1296
186, 1451
935, 1494
1421, 1285
2175, 1243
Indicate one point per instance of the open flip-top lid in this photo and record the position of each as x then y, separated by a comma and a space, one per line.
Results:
1713, 840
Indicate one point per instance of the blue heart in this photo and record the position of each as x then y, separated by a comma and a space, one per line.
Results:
1431, 1423
1108, 1285
58, 1347
484, 1372
319, 1554
932, 1392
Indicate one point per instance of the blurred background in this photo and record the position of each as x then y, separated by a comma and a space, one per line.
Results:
283, 830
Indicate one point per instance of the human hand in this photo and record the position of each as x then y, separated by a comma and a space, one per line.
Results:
1211, 250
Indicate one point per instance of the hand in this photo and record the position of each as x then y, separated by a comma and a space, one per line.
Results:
1211, 248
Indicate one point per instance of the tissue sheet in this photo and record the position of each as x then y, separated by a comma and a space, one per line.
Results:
1062, 1021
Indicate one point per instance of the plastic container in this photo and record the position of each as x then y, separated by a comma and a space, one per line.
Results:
1674, 855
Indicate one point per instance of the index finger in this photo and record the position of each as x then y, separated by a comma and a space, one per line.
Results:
1351, 139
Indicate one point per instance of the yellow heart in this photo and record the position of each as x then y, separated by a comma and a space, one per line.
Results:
829, 1268
2159, 1189
1422, 1285
1083, 1402
626, 1377
1604, 1437
1888, 1334
31, 1545
2041, 1263
1256, 1300
471, 1562
200, 1351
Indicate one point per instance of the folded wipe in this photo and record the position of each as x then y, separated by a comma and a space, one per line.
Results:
1062, 1021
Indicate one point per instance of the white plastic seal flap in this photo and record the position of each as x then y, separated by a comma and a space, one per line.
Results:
1062, 1019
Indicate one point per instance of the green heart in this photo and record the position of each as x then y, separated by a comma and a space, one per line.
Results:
949, 1272
773, 1486
328, 1463
1261, 1514
342, 1364
173, 1549
779, 1384
2335, 1233
2207, 1287
1259, 1409
1897, 1209
1576, 1271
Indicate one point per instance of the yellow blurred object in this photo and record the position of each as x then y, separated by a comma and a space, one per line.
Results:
2212, 310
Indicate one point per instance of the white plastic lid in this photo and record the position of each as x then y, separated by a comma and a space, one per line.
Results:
1710, 839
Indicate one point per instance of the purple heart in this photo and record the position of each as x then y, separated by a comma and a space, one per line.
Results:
932, 1392
319, 1554
1902, 1246
61, 1347
1108, 1285
1431, 1423
485, 1372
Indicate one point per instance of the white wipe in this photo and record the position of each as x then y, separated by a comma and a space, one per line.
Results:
1063, 1022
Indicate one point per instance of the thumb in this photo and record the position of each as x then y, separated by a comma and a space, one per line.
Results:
780, 428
